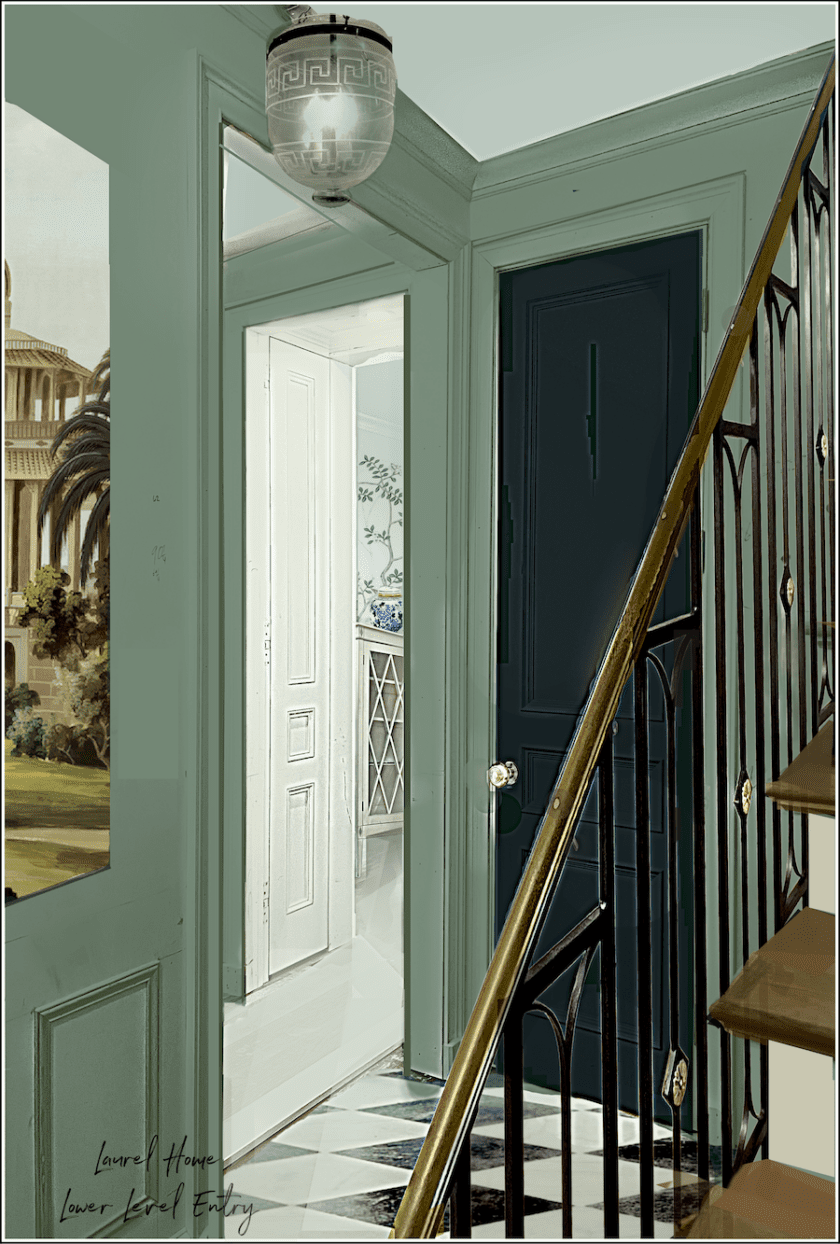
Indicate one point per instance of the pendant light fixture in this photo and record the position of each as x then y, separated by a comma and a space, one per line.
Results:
329, 97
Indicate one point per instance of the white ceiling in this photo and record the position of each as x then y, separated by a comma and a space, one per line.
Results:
363, 332
501, 76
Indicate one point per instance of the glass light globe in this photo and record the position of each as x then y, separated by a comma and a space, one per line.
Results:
329, 98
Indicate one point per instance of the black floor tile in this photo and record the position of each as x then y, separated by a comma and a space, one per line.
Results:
486, 1152
669, 1204
663, 1151
381, 1207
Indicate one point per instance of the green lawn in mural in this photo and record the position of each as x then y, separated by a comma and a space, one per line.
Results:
57, 818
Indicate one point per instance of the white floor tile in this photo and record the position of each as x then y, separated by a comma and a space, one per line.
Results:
544, 1178
587, 1130
295, 1222
321, 1177
382, 1091
349, 1129
546, 1097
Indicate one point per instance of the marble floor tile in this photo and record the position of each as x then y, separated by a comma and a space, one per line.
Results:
669, 1205
487, 1152
297, 1181
299, 1222
340, 1172
490, 1110
545, 1097
587, 1130
381, 1207
663, 1155
272, 1152
587, 1224
345, 1129
545, 1178
383, 1090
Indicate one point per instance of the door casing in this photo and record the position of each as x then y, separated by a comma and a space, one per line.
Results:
716, 210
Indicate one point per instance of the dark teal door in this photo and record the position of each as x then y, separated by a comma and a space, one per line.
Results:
599, 380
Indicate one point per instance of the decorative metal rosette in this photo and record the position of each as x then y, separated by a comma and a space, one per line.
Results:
822, 447
743, 792
675, 1080
787, 590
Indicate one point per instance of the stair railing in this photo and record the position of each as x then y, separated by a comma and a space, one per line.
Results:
511, 988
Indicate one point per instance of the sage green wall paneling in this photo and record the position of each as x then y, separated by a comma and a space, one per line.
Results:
712, 159
123, 82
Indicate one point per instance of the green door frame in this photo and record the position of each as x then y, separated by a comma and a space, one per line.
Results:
294, 277
716, 209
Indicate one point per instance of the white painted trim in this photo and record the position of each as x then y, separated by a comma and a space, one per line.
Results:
257, 658
342, 768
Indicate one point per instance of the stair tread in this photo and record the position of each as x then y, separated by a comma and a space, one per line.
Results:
807, 785
785, 991
768, 1200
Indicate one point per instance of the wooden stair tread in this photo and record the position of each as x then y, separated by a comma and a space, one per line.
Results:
807, 785
785, 991
768, 1200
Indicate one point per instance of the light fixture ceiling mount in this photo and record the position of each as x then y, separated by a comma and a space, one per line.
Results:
330, 89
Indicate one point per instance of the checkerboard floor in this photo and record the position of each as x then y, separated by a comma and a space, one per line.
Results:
340, 1172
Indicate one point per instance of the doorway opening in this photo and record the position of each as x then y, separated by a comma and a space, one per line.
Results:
324, 715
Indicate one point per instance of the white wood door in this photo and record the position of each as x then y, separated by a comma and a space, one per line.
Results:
299, 813
299, 654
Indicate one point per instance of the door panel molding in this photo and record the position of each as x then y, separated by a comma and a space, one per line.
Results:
79, 1093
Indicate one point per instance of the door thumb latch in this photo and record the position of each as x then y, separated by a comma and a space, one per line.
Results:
503, 773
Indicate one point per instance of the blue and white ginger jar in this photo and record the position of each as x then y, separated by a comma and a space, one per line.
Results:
387, 611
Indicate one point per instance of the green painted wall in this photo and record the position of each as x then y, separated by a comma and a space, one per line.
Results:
135, 1051
140, 947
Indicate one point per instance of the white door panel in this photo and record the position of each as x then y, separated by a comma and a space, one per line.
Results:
299, 795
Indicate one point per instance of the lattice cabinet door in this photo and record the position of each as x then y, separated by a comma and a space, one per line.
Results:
381, 731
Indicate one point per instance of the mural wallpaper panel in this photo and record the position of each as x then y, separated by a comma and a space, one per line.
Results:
57, 506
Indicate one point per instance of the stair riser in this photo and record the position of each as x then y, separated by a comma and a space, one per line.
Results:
822, 866
802, 1124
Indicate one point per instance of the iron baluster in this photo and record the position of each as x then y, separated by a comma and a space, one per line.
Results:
609, 1036
643, 947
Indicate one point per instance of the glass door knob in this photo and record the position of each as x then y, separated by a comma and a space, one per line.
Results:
503, 773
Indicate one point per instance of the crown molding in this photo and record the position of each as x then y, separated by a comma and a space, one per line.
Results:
788, 81
421, 137
263, 19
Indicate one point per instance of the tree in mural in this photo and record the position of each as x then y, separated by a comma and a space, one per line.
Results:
383, 483
85, 440
71, 630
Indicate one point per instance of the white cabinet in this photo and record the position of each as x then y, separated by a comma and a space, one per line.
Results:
381, 750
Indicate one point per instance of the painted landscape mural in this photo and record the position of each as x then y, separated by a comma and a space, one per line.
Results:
57, 381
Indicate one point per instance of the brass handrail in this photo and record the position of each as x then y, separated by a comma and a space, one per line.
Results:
421, 1210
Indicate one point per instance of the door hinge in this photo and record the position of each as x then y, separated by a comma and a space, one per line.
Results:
705, 310
265, 903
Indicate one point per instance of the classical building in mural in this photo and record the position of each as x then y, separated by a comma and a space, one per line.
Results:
43, 386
